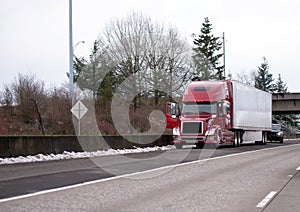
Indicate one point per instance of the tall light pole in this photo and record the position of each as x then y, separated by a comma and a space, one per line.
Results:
75, 46
224, 54
71, 53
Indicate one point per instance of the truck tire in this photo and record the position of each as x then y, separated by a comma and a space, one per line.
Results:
264, 138
219, 138
237, 139
178, 145
200, 145
281, 140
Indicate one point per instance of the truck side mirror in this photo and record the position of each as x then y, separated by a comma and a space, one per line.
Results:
172, 115
173, 109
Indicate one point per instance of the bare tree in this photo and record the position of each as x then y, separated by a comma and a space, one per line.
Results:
125, 41
151, 58
246, 78
7, 96
168, 61
29, 97
7, 99
58, 115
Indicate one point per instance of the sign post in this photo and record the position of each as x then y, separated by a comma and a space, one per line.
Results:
79, 110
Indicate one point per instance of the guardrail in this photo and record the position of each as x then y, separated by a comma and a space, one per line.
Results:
13, 146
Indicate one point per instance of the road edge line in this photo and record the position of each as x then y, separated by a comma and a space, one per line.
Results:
266, 200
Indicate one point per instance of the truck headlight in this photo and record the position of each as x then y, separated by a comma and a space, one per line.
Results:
176, 131
210, 132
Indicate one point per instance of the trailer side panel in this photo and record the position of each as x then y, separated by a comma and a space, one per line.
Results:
252, 108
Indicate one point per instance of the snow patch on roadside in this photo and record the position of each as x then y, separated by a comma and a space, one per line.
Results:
73, 155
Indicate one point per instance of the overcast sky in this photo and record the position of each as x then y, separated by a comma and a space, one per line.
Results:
34, 33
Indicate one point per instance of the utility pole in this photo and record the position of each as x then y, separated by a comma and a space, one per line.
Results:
71, 53
224, 54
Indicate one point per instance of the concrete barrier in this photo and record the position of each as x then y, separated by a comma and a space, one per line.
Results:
91, 143
13, 146
39, 144
4, 147
65, 143
17, 146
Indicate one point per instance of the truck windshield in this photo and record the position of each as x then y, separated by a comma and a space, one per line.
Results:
198, 108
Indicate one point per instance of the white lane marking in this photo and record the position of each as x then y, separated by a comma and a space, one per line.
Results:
298, 169
266, 199
135, 173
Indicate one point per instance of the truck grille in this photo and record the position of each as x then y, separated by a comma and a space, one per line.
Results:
191, 128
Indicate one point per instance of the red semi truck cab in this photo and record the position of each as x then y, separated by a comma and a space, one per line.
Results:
213, 112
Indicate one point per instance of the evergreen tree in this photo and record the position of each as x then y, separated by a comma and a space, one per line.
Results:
96, 74
206, 58
229, 76
90, 76
280, 86
108, 86
264, 79
287, 120
79, 63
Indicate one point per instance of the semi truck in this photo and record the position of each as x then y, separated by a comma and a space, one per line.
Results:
220, 113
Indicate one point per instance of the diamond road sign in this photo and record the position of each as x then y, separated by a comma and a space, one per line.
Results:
79, 110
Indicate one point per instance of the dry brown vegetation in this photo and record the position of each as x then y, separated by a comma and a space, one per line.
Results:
27, 108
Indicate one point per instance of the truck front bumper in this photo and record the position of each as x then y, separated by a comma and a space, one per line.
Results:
194, 140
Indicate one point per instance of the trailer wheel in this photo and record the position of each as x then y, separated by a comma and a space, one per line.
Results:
237, 139
264, 138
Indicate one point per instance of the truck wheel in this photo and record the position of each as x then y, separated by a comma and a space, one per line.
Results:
200, 145
178, 145
264, 138
219, 138
237, 139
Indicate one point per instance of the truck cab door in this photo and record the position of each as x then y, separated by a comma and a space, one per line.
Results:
172, 115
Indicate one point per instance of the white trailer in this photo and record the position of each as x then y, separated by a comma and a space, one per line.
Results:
252, 112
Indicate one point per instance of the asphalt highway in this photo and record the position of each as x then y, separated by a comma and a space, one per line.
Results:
248, 178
